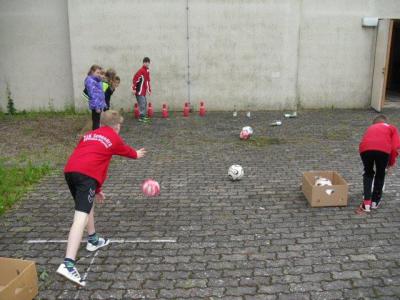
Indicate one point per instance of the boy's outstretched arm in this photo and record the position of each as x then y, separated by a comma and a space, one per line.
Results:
125, 150
141, 152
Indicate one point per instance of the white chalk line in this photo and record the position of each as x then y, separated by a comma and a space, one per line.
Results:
116, 241
87, 272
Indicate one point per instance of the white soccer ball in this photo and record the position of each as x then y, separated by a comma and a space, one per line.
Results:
235, 172
321, 181
248, 129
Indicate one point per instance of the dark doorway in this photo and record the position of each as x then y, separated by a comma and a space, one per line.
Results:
393, 76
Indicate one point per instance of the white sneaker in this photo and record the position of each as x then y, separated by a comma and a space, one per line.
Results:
71, 275
375, 205
101, 243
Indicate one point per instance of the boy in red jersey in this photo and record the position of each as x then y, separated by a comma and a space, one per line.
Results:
379, 146
141, 88
85, 173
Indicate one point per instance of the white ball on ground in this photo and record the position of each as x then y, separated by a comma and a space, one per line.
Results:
248, 129
235, 172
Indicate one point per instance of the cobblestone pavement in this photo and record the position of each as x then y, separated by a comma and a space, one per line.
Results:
253, 239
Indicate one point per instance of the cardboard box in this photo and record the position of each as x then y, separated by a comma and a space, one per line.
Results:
319, 196
18, 279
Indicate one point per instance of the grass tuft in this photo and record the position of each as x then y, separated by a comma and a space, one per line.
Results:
263, 141
15, 181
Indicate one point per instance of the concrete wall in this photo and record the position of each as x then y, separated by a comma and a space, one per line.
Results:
267, 54
250, 58
119, 34
35, 54
247, 60
336, 53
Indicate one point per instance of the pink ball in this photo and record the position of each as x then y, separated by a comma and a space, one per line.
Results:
150, 188
244, 135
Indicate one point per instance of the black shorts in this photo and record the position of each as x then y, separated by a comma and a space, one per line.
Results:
83, 190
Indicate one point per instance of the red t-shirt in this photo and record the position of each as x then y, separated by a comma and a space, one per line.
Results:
94, 151
381, 137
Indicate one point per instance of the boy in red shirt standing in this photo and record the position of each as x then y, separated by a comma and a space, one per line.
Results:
85, 173
379, 146
141, 87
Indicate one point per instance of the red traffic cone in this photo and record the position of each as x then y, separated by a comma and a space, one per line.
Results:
186, 110
150, 111
202, 111
136, 111
164, 111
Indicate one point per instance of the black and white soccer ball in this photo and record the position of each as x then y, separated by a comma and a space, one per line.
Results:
235, 172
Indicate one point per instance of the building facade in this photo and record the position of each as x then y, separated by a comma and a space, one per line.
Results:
252, 54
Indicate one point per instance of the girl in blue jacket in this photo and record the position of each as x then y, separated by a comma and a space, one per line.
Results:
94, 87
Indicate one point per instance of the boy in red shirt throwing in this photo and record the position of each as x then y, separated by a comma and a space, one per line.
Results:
379, 146
85, 173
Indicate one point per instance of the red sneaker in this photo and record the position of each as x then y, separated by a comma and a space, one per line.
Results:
366, 205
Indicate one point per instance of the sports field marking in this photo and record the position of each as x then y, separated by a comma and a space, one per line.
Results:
116, 241
86, 273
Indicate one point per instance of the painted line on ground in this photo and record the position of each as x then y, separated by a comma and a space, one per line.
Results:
86, 273
116, 241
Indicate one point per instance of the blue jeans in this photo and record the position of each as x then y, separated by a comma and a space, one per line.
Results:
142, 102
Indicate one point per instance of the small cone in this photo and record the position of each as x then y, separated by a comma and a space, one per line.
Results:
164, 111
150, 111
202, 111
186, 110
136, 111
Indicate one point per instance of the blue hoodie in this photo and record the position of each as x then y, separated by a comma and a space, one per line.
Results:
95, 92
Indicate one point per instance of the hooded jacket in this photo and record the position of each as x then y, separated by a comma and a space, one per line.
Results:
94, 88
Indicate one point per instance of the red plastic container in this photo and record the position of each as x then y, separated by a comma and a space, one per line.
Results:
202, 111
164, 111
150, 112
186, 110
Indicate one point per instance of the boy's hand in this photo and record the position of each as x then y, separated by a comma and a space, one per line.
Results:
100, 197
141, 153
98, 110
389, 170
134, 92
